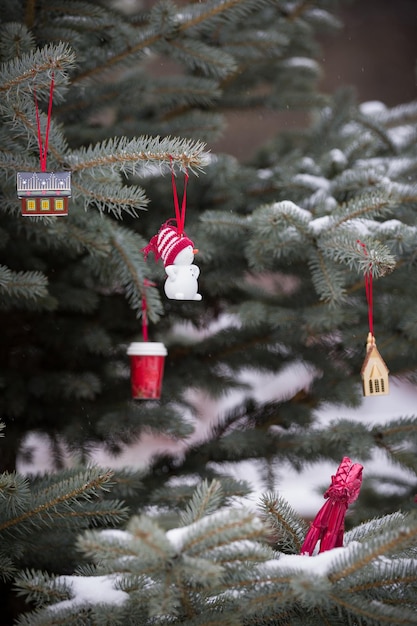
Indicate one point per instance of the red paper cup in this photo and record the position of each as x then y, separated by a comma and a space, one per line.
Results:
147, 360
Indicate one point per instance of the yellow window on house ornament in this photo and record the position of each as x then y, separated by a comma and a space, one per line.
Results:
31, 205
59, 204
45, 205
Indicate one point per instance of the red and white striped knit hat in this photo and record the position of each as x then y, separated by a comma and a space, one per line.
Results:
167, 244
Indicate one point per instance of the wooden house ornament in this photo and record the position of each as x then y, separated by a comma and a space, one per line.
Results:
44, 193
374, 372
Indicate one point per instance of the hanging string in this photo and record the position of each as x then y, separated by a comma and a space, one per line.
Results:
144, 319
369, 291
179, 214
146, 283
43, 147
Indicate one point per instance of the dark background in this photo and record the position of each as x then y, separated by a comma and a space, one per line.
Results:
375, 52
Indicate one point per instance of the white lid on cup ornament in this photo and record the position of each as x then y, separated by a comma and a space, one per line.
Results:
147, 348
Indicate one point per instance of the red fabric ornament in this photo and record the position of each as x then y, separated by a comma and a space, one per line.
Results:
167, 244
329, 524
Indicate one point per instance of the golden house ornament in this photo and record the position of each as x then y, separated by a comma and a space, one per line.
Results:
374, 372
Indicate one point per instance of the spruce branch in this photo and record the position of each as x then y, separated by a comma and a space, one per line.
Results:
218, 530
288, 529
391, 436
76, 385
213, 12
131, 270
344, 247
14, 493
15, 39
192, 17
23, 285
369, 204
23, 123
114, 198
206, 499
376, 127
198, 56
372, 528
35, 68
397, 116
110, 548
393, 541
401, 570
376, 613
329, 280
41, 588
64, 495
149, 539
81, 232
125, 154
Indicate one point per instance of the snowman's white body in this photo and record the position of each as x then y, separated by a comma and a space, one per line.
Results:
181, 282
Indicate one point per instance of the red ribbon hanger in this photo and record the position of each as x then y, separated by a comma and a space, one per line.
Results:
369, 291
179, 214
43, 147
146, 283
144, 319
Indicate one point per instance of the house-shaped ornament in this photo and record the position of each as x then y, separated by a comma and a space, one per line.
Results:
374, 372
44, 193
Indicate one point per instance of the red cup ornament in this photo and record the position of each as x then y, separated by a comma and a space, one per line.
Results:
147, 360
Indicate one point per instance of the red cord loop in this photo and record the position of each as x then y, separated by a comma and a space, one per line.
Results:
144, 318
146, 283
179, 214
43, 147
369, 291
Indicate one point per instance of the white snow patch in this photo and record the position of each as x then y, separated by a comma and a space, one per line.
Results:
36, 454
311, 181
337, 156
320, 224
177, 536
302, 62
402, 136
361, 227
317, 565
91, 590
264, 174
113, 534
308, 164
389, 226
286, 207
373, 107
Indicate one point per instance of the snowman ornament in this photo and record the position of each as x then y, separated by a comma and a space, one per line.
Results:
181, 282
177, 252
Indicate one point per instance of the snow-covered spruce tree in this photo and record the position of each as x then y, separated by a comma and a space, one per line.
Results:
215, 568
41, 517
280, 263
